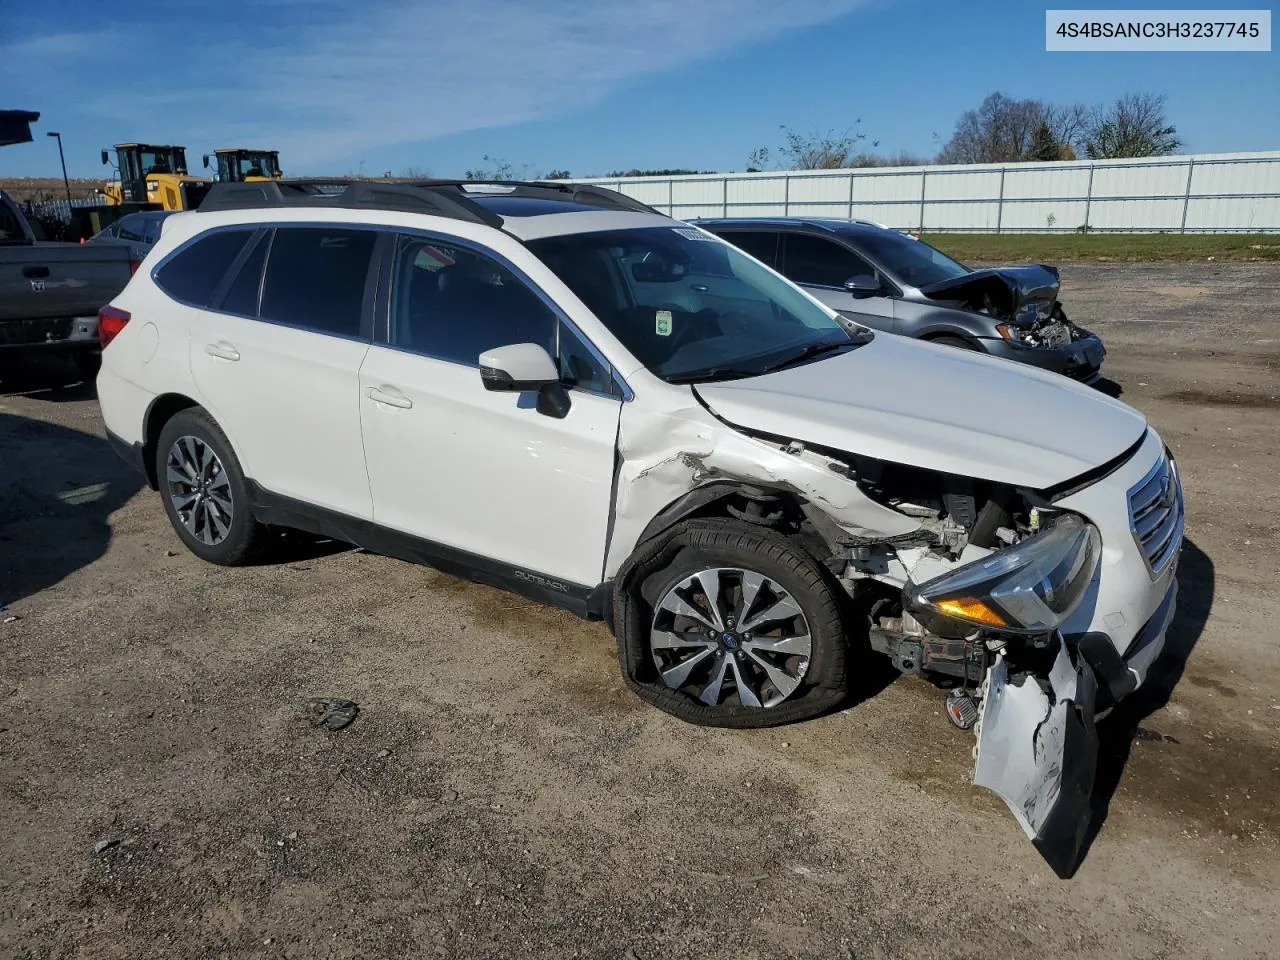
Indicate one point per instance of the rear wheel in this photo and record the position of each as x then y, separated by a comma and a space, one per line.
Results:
733, 625
204, 490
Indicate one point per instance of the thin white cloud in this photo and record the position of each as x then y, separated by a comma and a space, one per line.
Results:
329, 80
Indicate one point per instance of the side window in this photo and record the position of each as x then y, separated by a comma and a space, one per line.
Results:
453, 304
130, 228
10, 227
758, 243
243, 293
821, 262
580, 368
195, 273
316, 278
151, 229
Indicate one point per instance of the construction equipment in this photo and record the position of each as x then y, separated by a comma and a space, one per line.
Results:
153, 177
236, 164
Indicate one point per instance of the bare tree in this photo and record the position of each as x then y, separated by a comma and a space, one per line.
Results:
1005, 130
1000, 130
1134, 126
499, 169
832, 150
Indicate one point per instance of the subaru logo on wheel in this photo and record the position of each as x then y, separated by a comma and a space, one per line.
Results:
730, 641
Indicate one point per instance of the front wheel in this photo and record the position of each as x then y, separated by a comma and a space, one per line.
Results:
960, 343
733, 625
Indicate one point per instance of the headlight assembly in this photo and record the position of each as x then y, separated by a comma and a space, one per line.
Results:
1029, 588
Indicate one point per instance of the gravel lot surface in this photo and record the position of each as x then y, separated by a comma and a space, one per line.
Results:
501, 793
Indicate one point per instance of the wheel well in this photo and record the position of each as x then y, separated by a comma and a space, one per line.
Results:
162, 410
776, 509
950, 335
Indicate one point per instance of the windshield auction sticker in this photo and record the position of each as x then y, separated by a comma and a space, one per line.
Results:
1184, 30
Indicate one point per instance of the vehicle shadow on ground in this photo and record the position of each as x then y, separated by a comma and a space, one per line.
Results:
57, 490
53, 378
1108, 387
1118, 730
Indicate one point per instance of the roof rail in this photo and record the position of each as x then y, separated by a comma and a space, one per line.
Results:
583, 193
441, 198
354, 194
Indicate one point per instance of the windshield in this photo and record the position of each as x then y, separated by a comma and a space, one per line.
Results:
912, 261
689, 306
162, 160
248, 163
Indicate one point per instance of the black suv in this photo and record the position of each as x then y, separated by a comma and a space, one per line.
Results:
891, 281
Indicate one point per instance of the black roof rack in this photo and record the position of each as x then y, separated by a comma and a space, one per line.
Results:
441, 198
356, 194
586, 194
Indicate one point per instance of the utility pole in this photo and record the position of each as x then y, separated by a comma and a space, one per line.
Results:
61, 156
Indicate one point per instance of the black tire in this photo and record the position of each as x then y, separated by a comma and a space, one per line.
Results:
960, 343
88, 362
244, 536
698, 544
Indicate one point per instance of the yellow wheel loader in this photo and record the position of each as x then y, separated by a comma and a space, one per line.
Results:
237, 164
153, 177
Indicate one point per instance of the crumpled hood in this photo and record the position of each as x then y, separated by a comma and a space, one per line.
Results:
1006, 292
936, 407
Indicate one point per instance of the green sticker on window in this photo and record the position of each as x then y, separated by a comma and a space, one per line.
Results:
664, 323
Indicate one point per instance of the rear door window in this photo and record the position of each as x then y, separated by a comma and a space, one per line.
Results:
193, 274
242, 295
761, 244
821, 262
316, 279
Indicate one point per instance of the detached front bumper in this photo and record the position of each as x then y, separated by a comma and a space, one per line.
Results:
1080, 360
1037, 744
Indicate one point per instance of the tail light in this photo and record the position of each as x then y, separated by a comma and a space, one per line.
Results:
111, 321
133, 266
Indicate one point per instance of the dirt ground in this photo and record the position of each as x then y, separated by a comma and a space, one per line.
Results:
501, 794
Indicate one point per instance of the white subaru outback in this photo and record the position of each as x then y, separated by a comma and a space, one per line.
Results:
557, 390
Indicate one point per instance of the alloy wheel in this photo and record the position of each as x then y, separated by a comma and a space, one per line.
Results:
728, 634
199, 490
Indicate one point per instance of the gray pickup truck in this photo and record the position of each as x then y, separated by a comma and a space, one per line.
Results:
50, 292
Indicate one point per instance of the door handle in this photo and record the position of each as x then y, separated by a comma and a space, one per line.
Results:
35, 272
389, 396
222, 350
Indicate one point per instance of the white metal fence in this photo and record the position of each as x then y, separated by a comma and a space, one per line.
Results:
1203, 193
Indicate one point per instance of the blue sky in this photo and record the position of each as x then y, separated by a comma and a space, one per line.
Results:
588, 85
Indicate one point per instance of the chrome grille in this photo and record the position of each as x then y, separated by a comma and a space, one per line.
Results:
1156, 514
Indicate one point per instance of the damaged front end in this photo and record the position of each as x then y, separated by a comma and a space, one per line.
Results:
964, 581
1037, 747
974, 600
1024, 303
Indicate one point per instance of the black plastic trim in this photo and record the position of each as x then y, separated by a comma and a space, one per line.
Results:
272, 508
1067, 487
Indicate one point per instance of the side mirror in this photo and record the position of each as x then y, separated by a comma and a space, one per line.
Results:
862, 286
105, 161
206, 161
518, 367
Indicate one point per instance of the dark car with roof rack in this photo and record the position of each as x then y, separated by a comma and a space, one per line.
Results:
894, 282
